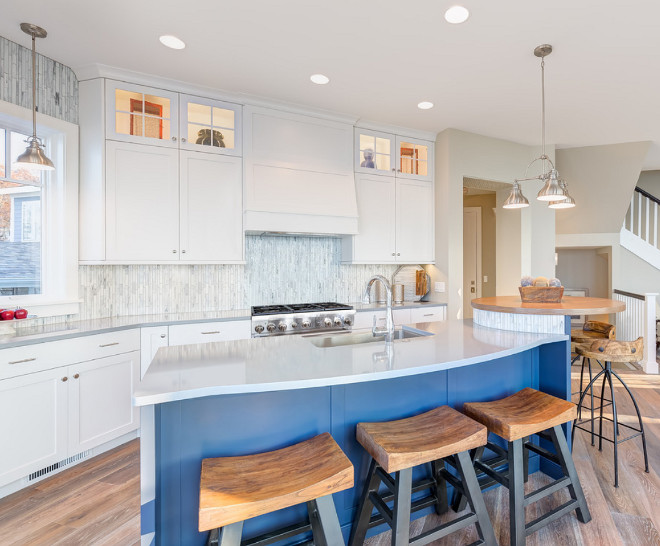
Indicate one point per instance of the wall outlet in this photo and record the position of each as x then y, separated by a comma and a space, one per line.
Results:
440, 287
485, 278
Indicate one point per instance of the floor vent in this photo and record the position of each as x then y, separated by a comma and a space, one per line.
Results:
58, 466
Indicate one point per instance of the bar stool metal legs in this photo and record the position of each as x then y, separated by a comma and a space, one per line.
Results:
607, 375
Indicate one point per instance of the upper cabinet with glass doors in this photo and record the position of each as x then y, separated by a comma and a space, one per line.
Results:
383, 153
145, 115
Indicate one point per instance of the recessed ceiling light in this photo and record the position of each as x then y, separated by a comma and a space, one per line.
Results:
456, 15
425, 105
172, 42
319, 78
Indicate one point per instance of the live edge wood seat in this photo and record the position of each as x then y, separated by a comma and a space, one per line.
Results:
409, 442
522, 414
593, 329
234, 489
440, 436
515, 418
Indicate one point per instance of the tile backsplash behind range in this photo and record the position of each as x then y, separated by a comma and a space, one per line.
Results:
278, 270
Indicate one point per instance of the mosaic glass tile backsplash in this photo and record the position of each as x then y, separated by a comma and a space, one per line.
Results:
57, 85
278, 270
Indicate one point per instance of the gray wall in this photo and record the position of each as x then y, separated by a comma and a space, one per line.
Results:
57, 85
650, 181
583, 269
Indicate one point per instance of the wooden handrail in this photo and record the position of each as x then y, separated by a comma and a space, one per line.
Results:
647, 195
629, 294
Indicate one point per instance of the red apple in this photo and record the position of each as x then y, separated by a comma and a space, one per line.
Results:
7, 314
20, 313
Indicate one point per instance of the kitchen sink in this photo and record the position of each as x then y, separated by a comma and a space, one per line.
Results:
339, 339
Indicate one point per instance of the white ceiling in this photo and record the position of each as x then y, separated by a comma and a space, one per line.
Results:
385, 56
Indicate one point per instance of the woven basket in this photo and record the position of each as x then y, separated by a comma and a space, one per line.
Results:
541, 294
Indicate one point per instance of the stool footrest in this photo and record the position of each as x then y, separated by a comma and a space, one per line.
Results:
416, 506
497, 476
551, 516
444, 530
543, 452
546, 490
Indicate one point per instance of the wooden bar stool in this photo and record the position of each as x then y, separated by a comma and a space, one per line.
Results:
234, 489
611, 351
514, 418
438, 436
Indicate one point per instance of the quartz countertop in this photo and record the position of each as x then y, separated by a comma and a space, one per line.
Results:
293, 362
65, 330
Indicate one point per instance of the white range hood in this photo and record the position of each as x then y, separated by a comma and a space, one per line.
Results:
298, 174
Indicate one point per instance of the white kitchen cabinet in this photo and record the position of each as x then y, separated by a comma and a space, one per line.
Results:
101, 400
207, 332
396, 222
33, 423
365, 319
415, 233
428, 314
152, 338
388, 154
142, 202
211, 186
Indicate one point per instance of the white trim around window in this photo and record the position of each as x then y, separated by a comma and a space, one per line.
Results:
59, 216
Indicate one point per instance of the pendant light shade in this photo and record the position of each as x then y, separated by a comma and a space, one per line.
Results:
516, 199
34, 157
567, 203
551, 191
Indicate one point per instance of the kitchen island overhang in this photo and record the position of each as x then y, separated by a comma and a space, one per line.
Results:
248, 396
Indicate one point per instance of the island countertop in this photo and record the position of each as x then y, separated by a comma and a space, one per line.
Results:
570, 305
293, 362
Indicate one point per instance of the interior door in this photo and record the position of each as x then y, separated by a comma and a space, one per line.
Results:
471, 258
142, 202
211, 207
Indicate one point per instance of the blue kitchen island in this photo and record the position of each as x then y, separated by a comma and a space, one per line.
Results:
249, 396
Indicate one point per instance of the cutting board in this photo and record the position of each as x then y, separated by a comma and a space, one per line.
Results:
408, 277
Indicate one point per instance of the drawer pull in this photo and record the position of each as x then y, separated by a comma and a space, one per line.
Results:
22, 361
208, 333
109, 344
429, 314
162, 336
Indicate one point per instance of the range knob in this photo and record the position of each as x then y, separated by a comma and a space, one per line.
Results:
270, 327
348, 321
294, 325
337, 321
281, 326
259, 328
327, 322
306, 323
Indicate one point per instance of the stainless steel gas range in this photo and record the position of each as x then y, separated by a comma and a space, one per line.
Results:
300, 318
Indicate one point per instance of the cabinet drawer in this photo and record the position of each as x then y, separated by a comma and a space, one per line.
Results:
44, 356
365, 319
207, 332
427, 314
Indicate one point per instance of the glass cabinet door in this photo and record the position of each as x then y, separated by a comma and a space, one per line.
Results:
374, 152
210, 126
414, 158
141, 114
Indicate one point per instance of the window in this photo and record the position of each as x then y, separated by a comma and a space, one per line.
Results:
20, 219
38, 217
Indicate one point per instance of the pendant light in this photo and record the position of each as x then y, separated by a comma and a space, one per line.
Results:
552, 191
34, 157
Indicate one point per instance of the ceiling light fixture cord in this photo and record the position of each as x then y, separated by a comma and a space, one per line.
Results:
34, 86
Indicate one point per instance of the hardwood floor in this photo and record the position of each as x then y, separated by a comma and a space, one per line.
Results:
98, 502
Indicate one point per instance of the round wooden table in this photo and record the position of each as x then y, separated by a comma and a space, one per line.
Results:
570, 305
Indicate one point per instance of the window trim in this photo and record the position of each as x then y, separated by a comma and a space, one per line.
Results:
59, 215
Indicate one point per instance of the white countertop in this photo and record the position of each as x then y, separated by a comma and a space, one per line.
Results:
293, 362
27, 335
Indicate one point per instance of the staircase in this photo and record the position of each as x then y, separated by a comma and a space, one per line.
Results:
639, 233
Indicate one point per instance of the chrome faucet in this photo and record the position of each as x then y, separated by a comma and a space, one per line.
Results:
388, 331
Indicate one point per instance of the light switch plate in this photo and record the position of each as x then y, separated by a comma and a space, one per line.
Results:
485, 278
440, 287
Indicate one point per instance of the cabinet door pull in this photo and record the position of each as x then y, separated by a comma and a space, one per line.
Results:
162, 336
109, 344
22, 361
173, 139
76, 376
65, 379
214, 332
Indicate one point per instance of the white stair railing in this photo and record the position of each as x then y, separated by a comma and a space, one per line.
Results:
639, 233
638, 320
